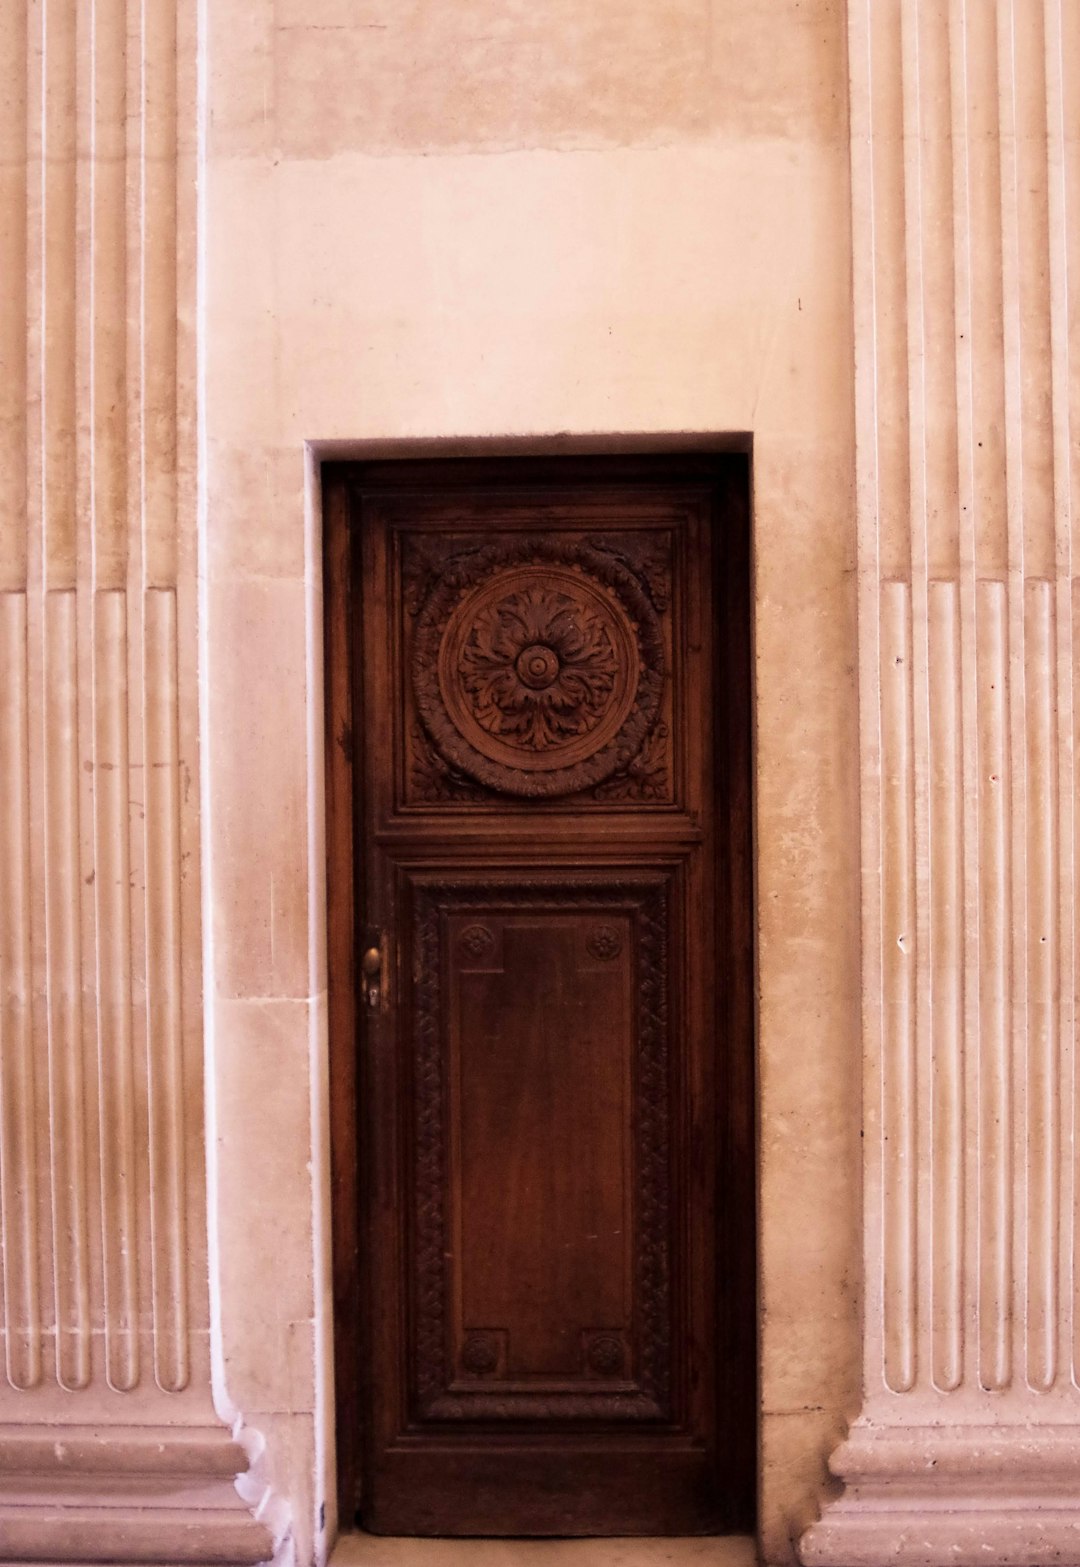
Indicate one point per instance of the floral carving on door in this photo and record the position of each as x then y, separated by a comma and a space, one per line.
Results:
538, 666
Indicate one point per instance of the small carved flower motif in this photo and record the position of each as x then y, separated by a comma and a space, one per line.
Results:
604, 943
476, 941
605, 1355
480, 1355
539, 667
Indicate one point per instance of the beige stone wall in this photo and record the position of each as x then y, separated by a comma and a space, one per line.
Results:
503, 220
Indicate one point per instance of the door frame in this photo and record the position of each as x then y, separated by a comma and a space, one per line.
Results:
737, 1317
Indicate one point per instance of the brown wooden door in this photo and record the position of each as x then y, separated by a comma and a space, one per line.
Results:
550, 1270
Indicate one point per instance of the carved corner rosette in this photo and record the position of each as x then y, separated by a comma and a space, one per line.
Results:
538, 669
433, 1352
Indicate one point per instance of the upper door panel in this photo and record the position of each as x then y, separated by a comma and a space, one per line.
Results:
542, 650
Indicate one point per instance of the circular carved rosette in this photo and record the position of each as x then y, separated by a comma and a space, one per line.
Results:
476, 941
604, 943
538, 666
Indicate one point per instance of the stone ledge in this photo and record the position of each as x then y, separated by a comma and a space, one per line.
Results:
143, 1495
979, 1496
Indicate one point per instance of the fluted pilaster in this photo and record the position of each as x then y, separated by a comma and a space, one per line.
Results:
965, 135
105, 1404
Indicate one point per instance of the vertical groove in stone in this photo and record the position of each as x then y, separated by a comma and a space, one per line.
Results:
1062, 654
1065, 256
918, 671
19, 1237
934, 299
937, 451
14, 107
18, 1139
986, 341
886, 324
67, 1096
107, 309
116, 1084
1039, 1302
1032, 283
898, 1076
57, 344
995, 1083
158, 454
967, 448
158, 297
1042, 1088
163, 992
868, 480
107, 170
947, 1065
1011, 288
58, 293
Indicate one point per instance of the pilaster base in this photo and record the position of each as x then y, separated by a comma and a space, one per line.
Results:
933, 1496
145, 1495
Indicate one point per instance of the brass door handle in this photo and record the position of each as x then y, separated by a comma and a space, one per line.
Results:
371, 969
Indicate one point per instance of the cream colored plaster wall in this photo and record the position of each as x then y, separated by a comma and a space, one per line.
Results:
487, 220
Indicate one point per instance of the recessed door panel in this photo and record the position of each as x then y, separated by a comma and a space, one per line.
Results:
546, 1126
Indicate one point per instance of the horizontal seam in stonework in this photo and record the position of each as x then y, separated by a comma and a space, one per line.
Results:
677, 141
311, 999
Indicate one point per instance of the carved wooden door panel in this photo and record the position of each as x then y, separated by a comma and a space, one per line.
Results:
554, 1104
